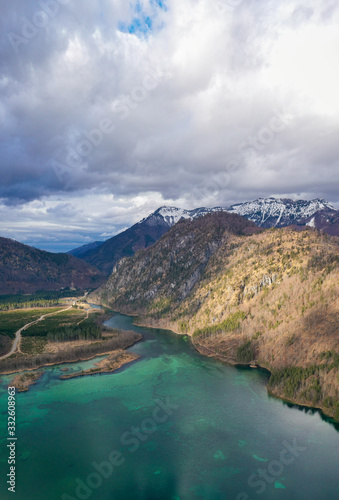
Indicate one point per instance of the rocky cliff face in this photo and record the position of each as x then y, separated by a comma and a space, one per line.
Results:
169, 270
246, 296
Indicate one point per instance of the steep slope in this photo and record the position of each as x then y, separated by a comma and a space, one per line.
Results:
326, 221
171, 268
25, 269
269, 298
141, 235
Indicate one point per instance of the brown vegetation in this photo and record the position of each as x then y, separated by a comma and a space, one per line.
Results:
23, 381
86, 351
282, 282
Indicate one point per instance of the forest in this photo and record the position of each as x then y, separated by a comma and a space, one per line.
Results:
38, 299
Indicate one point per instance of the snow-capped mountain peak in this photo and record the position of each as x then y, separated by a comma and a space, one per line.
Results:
166, 215
277, 212
172, 214
264, 212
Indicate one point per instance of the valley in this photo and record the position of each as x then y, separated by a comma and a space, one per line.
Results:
169, 250
210, 293
247, 295
217, 426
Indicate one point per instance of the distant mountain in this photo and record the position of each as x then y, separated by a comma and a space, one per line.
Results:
140, 236
25, 269
276, 212
246, 295
77, 252
264, 212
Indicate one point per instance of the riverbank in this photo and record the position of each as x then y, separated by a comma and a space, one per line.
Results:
273, 391
231, 346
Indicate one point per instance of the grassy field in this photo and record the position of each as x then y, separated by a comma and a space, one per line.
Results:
86, 350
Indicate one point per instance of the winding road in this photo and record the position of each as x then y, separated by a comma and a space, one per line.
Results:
17, 340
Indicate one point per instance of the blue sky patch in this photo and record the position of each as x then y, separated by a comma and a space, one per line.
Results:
143, 24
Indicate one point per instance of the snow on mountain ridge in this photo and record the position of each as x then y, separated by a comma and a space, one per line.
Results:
277, 207
172, 215
265, 212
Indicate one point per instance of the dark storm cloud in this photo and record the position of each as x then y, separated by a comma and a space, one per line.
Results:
153, 104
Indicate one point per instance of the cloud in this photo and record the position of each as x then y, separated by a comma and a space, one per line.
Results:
154, 100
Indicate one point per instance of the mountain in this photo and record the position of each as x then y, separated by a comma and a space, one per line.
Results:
264, 212
141, 235
326, 221
246, 296
276, 212
79, 251
25, 269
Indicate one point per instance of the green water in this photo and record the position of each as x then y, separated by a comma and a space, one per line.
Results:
217, 432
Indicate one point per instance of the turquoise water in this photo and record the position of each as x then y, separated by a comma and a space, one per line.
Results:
175, 425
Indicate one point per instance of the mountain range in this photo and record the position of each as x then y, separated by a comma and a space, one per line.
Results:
274, 212
78, 252
245, 295
264, 212
26, 269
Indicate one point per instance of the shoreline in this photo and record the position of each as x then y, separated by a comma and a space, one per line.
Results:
120, 359
203, 350
302, 405
224, 359
270, 390
88, 358
23, 381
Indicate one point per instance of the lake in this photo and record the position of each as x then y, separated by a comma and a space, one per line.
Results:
173, 425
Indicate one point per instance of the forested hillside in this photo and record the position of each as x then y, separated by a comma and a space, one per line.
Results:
268, 298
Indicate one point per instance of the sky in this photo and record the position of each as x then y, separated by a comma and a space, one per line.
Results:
110, 109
